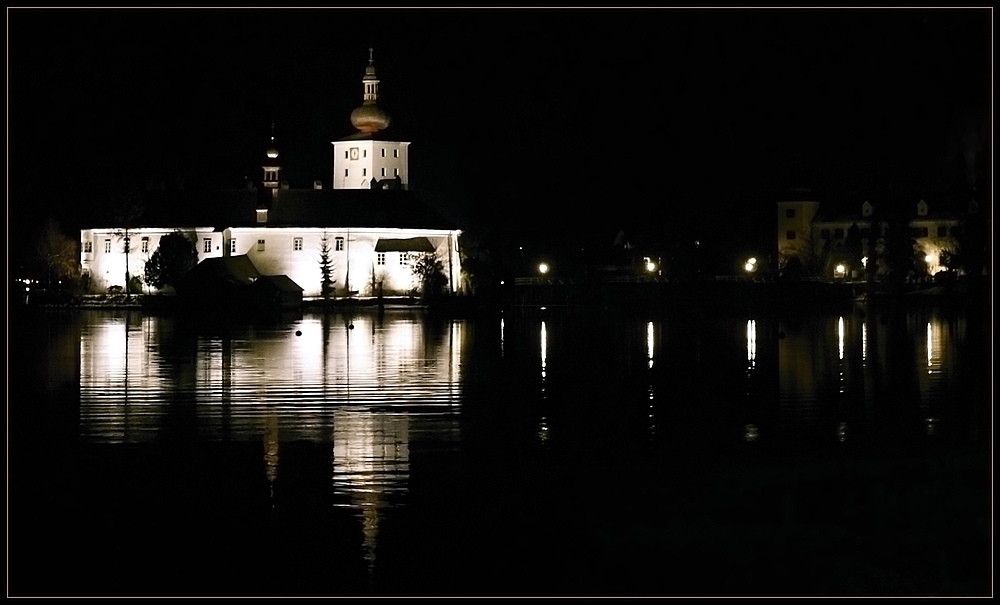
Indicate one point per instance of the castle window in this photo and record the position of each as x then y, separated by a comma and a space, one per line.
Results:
790, 213
383, 152
790, 235
380, 258
338, 244
260, 245
208, 245
395, 153
364, 172
297, 244
383, 172
345, 171
345, 154
838, 233
107, 245
232, 245
88, 247
145, 245
404, 258
395, 172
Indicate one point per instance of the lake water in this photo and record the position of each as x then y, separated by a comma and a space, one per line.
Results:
535, 452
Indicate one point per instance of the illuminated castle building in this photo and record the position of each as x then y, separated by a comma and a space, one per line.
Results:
372, 224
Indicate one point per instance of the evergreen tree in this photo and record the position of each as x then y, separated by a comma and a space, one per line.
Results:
325, 268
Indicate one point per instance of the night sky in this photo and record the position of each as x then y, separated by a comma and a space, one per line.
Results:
523, 123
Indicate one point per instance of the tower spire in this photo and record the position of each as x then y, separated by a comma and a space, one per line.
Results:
369, 118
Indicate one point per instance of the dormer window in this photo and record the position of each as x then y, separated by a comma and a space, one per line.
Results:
922, 208
262, 215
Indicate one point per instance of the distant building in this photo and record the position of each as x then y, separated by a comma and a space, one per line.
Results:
373, 226
810, 234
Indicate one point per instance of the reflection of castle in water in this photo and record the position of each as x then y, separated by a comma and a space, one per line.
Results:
361, 384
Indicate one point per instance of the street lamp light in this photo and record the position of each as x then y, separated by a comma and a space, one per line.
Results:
543, 268
840, 270
751, 265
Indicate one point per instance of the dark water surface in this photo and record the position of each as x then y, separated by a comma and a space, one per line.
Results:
541, 452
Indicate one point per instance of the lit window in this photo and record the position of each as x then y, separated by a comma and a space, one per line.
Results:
380, 258
790, 235
260, 245
107, 245
297, 244
88, 247
145, 245
208, 245
232, 245
338, 244
790, 213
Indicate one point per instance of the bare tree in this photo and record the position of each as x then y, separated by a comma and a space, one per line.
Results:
59, 253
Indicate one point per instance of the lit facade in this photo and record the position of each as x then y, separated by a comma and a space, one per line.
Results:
806, 233
373, 227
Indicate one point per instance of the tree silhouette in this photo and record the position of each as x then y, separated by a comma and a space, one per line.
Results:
59, 254
429, 270
173, 258
325, 268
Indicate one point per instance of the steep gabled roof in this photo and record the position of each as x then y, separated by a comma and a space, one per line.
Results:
347, 208
358, 208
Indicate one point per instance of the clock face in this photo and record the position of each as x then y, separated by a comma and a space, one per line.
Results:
354, 153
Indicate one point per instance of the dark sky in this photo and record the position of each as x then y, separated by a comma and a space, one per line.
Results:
578, 121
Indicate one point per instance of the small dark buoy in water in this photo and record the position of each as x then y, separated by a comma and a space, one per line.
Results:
350, 327
298, 332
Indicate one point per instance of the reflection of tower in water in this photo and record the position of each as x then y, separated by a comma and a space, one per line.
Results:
271, 449
371, 461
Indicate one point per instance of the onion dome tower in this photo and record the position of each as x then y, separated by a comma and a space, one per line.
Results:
366, 159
